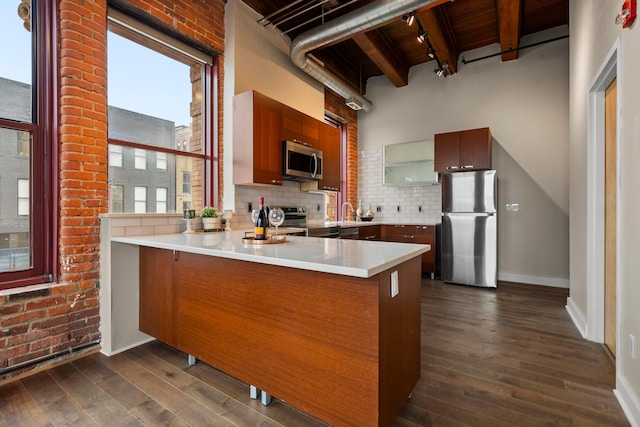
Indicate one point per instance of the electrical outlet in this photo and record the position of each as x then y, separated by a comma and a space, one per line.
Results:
632, 346
512, 207
317, 208
378, 208
398, 208
419, 208
394, 284
250, 207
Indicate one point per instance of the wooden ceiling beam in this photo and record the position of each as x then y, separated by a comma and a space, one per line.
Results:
438, 27
387, 59
509, 20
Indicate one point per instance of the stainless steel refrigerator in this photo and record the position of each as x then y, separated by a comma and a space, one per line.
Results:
469, 228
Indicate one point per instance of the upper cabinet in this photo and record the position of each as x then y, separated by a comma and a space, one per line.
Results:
260, 125
409, 163
257, 143
463, 150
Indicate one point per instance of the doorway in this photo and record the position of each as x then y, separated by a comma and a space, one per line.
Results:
602, 200
610, 209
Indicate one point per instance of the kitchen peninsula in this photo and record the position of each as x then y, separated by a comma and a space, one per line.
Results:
311, 321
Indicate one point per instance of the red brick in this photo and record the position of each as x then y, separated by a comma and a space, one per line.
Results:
45, 302
10, 309
21, 318
27, 337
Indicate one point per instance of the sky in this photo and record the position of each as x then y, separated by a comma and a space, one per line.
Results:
137, 76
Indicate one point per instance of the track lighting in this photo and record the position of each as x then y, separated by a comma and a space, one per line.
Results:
409, 18
422, 36
431, 53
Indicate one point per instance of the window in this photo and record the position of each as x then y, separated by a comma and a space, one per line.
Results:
161, 161
23, 197
27, 107
140, 199
24, 141
115, 156
162, 115
186, 182
116, 198
161, 200
140, 158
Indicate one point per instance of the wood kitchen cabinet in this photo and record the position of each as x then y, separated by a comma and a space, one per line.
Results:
329, 143
157, 294
257, 143
407, 233
463, 150
369, 232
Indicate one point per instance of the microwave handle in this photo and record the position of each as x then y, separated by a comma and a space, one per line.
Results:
315, 165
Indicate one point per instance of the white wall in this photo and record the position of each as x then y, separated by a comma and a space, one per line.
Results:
526, 105
593, 36
257, 58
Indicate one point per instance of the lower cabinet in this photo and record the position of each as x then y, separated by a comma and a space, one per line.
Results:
407, 233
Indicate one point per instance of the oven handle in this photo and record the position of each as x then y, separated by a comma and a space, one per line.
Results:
315, 164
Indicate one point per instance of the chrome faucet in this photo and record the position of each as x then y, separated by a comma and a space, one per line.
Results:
343, 212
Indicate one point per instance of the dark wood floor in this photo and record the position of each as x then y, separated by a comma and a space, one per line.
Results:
489, 358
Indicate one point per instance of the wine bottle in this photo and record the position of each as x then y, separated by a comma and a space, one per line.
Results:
262, 222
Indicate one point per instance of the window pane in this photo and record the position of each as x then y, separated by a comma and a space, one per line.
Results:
161, 160
151, 95
140, 199
140, 158
115, 155
15, 66
161, 200
116, 199
23, 197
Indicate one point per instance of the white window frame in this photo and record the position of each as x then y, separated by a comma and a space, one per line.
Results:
24, 191
140, 158
115, 155
139, 199
162, 197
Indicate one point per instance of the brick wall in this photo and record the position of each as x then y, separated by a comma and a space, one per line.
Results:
44, 320
335, 104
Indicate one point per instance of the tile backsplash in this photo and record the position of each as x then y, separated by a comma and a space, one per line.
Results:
397, 204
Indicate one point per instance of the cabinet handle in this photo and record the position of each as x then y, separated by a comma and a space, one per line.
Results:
399, 226
467, 167
275, 181
452, 167
408, 237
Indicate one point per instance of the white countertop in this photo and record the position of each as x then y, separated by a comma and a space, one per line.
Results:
356, 258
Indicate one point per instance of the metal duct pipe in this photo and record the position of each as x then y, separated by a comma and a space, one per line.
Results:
341, 28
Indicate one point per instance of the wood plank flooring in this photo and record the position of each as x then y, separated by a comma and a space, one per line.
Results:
505, 357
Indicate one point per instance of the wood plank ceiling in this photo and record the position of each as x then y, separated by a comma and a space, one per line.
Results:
452, 27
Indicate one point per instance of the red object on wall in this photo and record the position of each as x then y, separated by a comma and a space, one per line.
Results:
628, 14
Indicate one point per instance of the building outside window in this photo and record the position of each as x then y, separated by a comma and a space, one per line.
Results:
140, 199
166, 115
24, 141
186, 182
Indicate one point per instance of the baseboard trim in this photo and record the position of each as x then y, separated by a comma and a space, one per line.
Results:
577, 317
112, 352
534, 280
629, 402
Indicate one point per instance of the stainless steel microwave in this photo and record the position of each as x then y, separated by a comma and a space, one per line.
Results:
301, 162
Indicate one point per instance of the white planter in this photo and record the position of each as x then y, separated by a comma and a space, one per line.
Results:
211, 223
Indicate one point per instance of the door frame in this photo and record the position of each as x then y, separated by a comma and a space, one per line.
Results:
608, 71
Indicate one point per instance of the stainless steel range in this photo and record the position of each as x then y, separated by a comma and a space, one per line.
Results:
294, 217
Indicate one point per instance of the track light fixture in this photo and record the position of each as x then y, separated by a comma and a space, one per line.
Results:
409, 18
442, 69
422, 36
431, 53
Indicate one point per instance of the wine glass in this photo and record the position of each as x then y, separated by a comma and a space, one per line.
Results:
254, 216
276, 217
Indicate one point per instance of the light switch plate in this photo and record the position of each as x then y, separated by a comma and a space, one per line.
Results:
394, 284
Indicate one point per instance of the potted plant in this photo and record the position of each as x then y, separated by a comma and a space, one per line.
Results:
210, 218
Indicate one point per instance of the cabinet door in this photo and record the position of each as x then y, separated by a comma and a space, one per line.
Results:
446, 152
157, 294
426, 235
291, 124
267, 140
369, 232
331, 168
475, 149
400, 233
